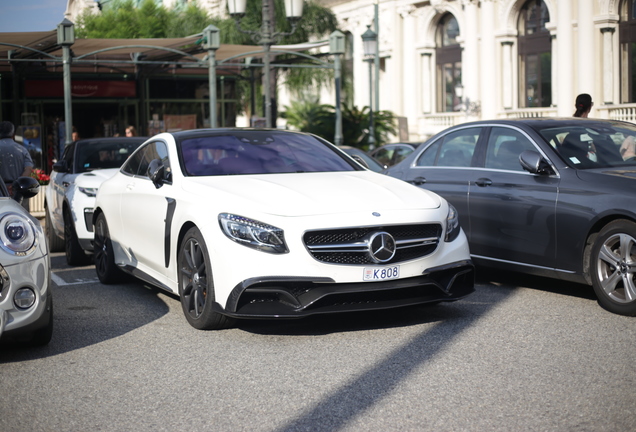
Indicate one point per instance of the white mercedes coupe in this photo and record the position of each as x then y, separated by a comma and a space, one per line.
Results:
260, 223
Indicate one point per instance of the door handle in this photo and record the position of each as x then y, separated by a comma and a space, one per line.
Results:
483, 182
418, 181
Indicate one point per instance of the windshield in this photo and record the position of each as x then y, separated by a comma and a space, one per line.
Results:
258, 152
600, 145
95, 154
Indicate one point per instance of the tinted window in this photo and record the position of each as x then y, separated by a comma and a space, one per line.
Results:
258, 153
452, 150
95, 154
597, 145
504, 147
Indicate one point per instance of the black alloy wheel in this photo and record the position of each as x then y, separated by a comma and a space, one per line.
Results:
75, 255
105, 267
196, 285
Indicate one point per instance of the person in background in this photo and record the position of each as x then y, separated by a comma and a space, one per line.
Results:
75, 134
583, 105
628, 149
130, 131
15, 160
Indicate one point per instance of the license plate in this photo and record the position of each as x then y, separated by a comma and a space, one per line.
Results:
381, 273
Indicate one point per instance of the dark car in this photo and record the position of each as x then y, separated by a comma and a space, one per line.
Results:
360, 156
553, 197
393, 153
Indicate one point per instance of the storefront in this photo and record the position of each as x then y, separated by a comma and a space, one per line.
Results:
154, 85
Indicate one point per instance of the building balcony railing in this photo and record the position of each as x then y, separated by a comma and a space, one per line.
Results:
624, 112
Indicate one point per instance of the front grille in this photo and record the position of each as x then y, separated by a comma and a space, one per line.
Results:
349, 246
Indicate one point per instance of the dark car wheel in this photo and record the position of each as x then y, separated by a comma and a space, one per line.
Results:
196, 286
56, 244
105, 267
75, 255
613, 267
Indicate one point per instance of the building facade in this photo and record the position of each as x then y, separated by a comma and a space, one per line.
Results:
443, 62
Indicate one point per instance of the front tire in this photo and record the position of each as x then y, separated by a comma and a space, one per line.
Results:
56, 244
613, 267
105, 267
196, 285
75, 255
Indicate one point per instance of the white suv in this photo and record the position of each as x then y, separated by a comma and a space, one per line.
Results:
70, 197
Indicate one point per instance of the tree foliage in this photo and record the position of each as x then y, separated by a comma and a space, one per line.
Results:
129, 19
319, 119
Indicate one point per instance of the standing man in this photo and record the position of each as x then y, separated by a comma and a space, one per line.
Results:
15, 160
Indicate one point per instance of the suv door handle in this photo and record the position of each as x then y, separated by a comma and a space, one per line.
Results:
483, 182
418, 181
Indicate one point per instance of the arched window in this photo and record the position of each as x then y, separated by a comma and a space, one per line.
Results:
535, 56
449, 63
627, 39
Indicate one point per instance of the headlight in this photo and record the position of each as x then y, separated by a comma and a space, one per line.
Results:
91, 192
17, 234
452, 224
254, 234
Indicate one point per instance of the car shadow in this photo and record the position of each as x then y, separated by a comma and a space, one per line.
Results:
515, 279
87, 312
440, 325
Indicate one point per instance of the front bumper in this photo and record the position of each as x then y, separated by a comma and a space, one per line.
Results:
296, 297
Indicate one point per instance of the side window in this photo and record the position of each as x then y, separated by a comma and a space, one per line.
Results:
131, 167
504, 147
429, 156
401, 153
457, 148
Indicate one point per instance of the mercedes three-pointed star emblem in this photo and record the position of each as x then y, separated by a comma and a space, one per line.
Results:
381, 247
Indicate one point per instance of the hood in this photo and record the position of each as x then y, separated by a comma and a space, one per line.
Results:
95, 178
305, 194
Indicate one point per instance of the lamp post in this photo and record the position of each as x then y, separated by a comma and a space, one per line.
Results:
337, 48
212, 42
266, 37
66, 38
369, 45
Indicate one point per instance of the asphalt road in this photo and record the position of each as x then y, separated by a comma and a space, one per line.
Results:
522, 354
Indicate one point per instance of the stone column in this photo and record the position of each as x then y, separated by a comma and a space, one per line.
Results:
506, 71
488, 58
564, 61
608, 65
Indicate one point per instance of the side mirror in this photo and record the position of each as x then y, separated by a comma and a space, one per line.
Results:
60, 166
25, 187
534, 163
156, 172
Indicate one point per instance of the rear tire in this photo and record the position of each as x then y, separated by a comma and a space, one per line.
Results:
613, 267
105, 267
196, 285
56, 244
75, 255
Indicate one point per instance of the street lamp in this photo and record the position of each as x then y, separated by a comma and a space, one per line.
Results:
66, 38
267, 37
369, 45
337, 48
212, 42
